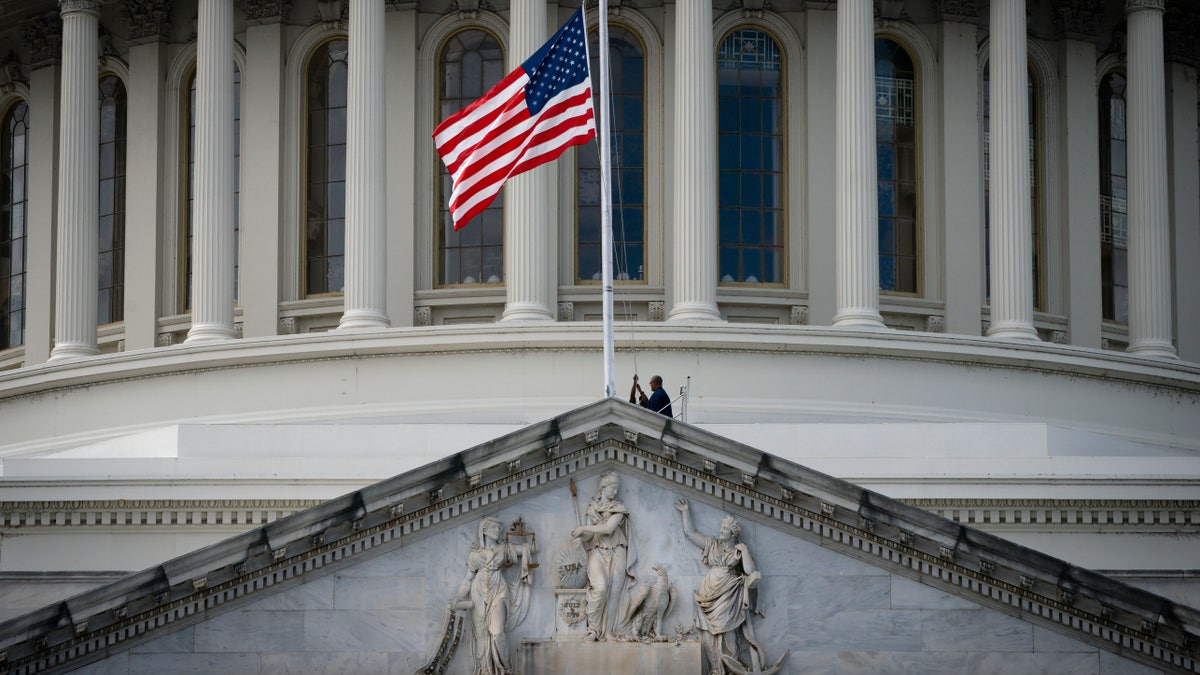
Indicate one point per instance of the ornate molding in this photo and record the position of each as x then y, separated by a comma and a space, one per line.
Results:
799, 315
11, 73
657, 310
958, 10
423, 316
935, 323
147, 19
43, 38
566, 311
268, 11
332, 13
88, 6
751, 9
287, 325
1144, 514
470, 9
1078, 18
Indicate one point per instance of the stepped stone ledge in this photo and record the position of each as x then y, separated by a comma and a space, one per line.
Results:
753, 485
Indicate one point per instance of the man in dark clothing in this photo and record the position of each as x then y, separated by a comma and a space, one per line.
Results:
658, 401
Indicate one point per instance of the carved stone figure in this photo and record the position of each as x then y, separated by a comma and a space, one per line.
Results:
648, 604
725, 597
495, 604
611, 556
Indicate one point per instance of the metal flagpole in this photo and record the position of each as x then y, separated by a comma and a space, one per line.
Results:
606, 237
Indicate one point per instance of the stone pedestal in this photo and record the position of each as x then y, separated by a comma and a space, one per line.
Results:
570, 614
547, 657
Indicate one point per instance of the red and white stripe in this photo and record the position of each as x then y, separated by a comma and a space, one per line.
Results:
494, 138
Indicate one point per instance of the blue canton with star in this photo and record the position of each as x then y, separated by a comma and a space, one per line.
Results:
560, 64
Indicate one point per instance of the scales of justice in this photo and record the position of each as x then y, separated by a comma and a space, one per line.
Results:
607, 618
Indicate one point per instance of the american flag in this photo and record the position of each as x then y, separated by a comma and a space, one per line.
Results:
529, 118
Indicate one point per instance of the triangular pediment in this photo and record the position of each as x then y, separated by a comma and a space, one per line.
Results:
803, 526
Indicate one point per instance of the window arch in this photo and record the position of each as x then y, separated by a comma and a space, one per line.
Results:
897, 138
469, 63
1035, 180
189, 165
750, 158
325, 169
113, 114
627, 127
14, 210
1114, 226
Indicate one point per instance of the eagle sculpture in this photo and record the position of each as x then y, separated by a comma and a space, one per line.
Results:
647, 605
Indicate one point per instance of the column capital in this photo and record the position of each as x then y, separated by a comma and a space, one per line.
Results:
147, 19
1132, 6
80, 6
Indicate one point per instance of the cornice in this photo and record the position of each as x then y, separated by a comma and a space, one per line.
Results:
609, 435
1124, 515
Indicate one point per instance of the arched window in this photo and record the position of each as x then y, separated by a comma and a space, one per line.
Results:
627, 128
896, 138
325, 194
1114, 225
1035, 219
190, 189
14, 205
113, 111
470, 62
750, 130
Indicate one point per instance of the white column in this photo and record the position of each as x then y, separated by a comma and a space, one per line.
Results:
1185, 207
1149, 232
963, 186
695, 159
1011, 234
1080, 157
856, 173
366, 180
213, 251
78, 195
527, 206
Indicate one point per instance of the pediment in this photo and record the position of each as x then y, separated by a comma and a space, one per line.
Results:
802, 526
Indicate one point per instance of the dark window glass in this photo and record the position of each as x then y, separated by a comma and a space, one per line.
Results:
1114, 210
896, 157
627, 135
190, 163
113, 112
749, 158
14, 207
325, 187
469, 64
1035, 220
